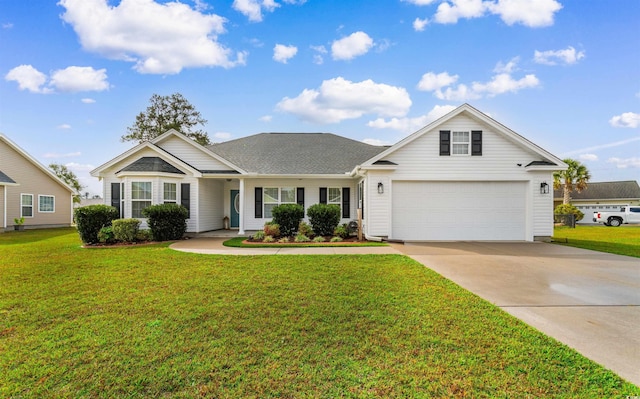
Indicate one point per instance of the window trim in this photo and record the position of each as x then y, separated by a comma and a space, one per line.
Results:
22, 206
460, 143
135, 200
279, 200
176, 199
53, 205
339, 202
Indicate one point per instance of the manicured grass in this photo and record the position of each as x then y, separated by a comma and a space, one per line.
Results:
148, 321
238, 242
623, 240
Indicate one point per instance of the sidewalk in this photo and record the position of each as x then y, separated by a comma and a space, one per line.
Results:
213, 246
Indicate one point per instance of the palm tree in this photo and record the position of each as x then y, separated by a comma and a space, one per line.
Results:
574, 178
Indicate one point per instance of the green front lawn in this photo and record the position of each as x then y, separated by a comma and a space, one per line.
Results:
623, 240
148, 321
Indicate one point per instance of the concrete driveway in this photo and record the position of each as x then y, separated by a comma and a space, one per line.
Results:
588, 300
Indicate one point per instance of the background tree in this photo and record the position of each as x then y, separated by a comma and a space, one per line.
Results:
574, 178
164, 113
70, 178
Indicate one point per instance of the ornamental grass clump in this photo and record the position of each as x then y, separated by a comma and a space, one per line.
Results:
271, 229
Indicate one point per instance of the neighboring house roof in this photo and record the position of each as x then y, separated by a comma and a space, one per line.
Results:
611, 190
37, 164
296, 153
151, 164
6, 180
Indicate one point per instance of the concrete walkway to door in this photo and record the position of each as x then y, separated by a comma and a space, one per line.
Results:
587, 300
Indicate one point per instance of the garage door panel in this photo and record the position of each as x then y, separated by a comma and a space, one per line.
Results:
459, 211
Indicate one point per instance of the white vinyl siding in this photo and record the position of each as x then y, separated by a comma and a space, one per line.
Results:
195, 157
46, 203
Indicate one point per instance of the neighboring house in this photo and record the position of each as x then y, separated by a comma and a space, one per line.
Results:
601, 196
29, 189
463, 177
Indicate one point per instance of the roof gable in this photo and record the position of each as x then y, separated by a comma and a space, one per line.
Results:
35, 163
549, 161
151, 164
6, 180
296, 153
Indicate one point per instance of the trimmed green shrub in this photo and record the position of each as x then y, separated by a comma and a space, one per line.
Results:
166, 221
341, 231
288, 217
271, 229
90, 219
324, 218
106, 236
302, 238
144, 235
566, 209
305, 228
125, 230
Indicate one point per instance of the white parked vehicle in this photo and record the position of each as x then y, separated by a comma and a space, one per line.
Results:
627, 214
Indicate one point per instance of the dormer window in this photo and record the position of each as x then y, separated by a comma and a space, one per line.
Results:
460, 143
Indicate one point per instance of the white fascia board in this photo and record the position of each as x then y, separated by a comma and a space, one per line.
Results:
552, 168
198, 146
379, 167
36, 163
345, 176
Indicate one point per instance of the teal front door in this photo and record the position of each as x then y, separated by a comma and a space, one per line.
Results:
235, 208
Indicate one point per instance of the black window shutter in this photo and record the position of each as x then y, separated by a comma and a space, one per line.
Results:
300, 197
258, 194
346, 202
185, 197
476, 142
323, 195
445, 142
115, 198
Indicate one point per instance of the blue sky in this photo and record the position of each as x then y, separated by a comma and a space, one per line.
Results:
564, 74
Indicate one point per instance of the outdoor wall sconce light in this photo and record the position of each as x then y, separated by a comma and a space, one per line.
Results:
544, 188
380, 188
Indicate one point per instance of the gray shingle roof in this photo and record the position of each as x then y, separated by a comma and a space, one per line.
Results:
606, 190
5, 179
151, 164
296, 153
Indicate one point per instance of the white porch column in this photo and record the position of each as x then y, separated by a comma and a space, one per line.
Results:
241, 213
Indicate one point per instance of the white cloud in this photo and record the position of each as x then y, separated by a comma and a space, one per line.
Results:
410, 125
318, 58
75, 78
252, 9
625, 163
449, 13
502, 82
28, 78
420, 24
157, 38
602, 146
222, 135
567, 56
529, 13
64, 126
627, 119
354, 45
88, 100
282, 53
265, 118
7, 25
588, 157
339, 99
57, 155
431, 81
77, 167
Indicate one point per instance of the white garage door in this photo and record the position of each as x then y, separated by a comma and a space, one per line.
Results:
473, 211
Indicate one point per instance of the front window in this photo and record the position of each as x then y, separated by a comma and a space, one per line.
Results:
26, 205
46, 203
140, 198
460, 143
170, 194
274, 196
335, 196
